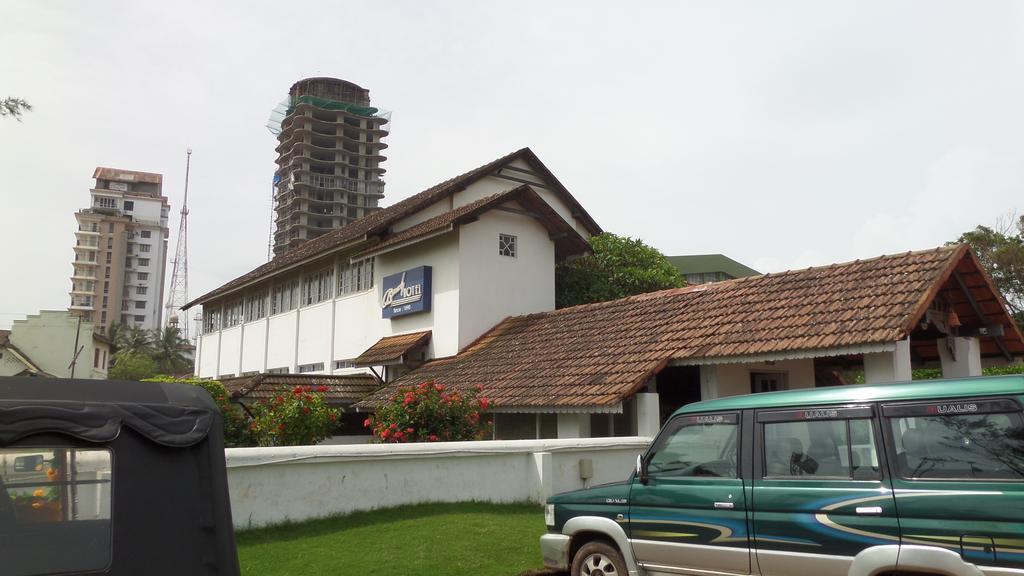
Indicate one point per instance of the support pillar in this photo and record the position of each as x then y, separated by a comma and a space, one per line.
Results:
708, 382
573, 425
648, 414
964, 360
541, 477
892, 366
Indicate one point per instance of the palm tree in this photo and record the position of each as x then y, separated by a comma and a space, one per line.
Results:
132, 340
169, 350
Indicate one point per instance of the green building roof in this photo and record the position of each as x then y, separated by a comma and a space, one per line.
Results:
705, 263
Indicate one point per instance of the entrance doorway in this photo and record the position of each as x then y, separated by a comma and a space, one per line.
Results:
677, 386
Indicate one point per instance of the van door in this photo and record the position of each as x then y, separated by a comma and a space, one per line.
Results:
819, 496
959, 477
687, 507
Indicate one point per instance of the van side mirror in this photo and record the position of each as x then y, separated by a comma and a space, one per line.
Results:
641, 470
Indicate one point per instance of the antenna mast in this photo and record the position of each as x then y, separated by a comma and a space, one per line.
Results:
178, 296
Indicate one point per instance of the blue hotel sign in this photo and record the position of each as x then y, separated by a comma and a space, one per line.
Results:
406, 292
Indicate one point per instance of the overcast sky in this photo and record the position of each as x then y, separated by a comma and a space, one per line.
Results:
783, 134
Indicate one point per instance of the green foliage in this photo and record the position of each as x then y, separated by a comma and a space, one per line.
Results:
1003, 370
14, 107
237, 431
1001, 252
619, 267
133, 339
296, 419
168, 350
429, 413
132, 366
857, 377
466, 539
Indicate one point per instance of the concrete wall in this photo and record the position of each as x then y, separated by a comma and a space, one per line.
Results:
48, 340
272, 485
734, 379
493, 287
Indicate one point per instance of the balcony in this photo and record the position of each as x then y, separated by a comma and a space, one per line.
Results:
82, 276
81, 305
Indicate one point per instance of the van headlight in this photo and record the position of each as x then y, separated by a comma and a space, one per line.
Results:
549, 514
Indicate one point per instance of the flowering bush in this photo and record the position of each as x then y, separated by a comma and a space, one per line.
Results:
430, 413
298, 418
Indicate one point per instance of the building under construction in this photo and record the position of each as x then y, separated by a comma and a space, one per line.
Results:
329, 157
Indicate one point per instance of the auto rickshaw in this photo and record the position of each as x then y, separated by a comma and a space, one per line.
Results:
113, 478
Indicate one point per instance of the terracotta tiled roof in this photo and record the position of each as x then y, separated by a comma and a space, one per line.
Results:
391, 349
375, 225
599, 354
342, 390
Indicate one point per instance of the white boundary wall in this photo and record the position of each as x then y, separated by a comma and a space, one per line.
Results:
273, 485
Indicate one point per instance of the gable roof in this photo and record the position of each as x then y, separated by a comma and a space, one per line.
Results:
567, 239
596, 355
700, 263
391, 349
375, 225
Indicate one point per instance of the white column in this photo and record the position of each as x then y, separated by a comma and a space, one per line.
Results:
708, 382
888, 366
648, 414
964, 361
573, 425
541, 477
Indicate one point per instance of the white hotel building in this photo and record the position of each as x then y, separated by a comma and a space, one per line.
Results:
457, 285
438, 269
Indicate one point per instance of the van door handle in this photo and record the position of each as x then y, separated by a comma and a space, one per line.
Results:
869, 510
724, 505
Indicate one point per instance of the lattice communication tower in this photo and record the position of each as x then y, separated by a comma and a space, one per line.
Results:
178, 294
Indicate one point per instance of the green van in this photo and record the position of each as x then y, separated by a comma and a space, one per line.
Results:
917, 478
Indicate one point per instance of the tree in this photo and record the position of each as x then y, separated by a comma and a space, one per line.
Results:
169, 350
14, 107
132, 366
1001, 251
430, 413
619, 267
133, 340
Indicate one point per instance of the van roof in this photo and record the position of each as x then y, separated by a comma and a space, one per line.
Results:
920, 390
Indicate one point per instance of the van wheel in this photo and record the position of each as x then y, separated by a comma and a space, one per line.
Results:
598, 559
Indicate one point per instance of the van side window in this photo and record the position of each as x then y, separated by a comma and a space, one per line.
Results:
821, 449
696, 446
54, 497
964, 446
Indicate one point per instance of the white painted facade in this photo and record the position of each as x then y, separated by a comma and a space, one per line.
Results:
473, 288
48, 341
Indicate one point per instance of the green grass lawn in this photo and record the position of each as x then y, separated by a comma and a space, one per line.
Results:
473, 539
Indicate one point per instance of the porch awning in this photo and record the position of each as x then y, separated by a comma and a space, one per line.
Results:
392, 349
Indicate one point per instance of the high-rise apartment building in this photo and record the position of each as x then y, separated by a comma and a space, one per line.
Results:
121, 251
329, 157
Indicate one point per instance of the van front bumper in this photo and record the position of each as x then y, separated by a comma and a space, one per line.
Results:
555, 550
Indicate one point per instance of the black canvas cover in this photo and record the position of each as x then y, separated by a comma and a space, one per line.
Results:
165, 507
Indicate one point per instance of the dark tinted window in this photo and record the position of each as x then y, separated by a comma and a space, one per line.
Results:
54, 510
696, 446
821, 449
963, 446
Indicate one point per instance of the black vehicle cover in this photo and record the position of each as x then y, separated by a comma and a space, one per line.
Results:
169, 508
